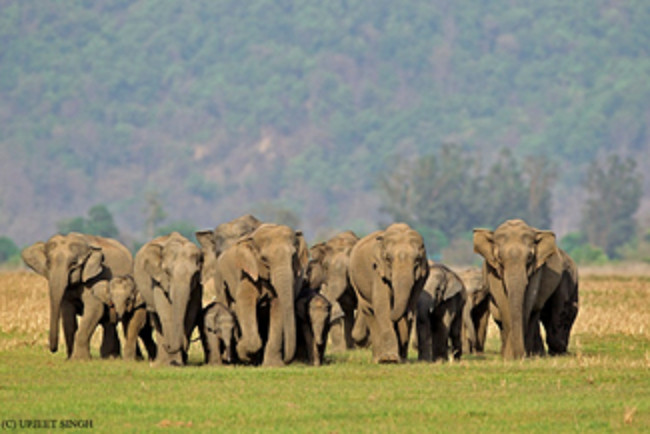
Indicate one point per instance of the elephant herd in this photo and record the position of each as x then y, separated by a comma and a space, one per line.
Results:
274, 299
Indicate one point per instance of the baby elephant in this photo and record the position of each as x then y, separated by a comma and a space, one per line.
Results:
312, 323
218, 334
440, 314
124, 304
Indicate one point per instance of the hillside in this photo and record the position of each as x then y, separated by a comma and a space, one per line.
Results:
270, 107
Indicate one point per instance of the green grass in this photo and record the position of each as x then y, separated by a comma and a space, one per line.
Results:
603, 386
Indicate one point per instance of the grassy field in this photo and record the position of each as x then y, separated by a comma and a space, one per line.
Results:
603, 386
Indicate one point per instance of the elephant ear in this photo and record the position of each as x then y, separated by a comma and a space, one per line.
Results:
34, 257
484, 246
93, 265
206, 240
303, 252
247, 259
153, 264
102, 291
546, 246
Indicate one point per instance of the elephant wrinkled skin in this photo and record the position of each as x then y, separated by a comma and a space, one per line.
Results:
440, 315
73, 264
388, 270
167, 275
328, 274
530, 280
260, 276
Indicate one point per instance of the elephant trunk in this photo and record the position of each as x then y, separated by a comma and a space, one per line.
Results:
282, 279
58, 281
179, 295
403, 280
516, 282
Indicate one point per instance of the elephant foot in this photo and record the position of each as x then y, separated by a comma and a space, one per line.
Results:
246, 350
80, 355
388, 358
272, 362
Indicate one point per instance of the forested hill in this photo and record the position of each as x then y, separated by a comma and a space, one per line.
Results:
217, 108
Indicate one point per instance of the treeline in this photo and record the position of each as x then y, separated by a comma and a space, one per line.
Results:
297, 108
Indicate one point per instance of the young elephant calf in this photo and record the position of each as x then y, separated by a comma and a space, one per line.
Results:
218, 334
313, 312
440, 314
124, 304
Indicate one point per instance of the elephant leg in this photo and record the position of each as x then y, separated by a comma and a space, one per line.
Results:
402, 330
132, 324
382, 332
360, 328
93, 312
455, 333
440, 334
273, 351
163, 323
348, 324
337, 335
110, 341
480, 318
533, 338
146, 335
192, 317
246, 313
69, 320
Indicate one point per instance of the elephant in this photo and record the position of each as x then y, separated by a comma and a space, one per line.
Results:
214, 242
530, 280
313, 312
477, 307
218, 333
440, 315
259, 278
126, 305
388, 269
328, 273
167, 275
73, 264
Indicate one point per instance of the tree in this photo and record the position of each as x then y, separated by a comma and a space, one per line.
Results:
154, 212
614, 195
99, 222
8, 249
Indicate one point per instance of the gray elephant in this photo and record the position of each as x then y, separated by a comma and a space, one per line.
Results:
259, 278
388, 270
328, 273
214, 242
478, 309
125, 304
313, 312
440, 315
73, 265
218, 333
167, 275
530, 280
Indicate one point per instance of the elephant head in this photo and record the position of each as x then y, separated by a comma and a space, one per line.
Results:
514, 253
64, 260
174, 264
278, 254
214, 242
120, 295
401, 259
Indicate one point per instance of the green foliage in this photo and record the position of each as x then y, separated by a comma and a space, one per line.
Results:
181, 96
578, 247
185, 228
8, 249
347, 395
99, 222
615, 191
445, 195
